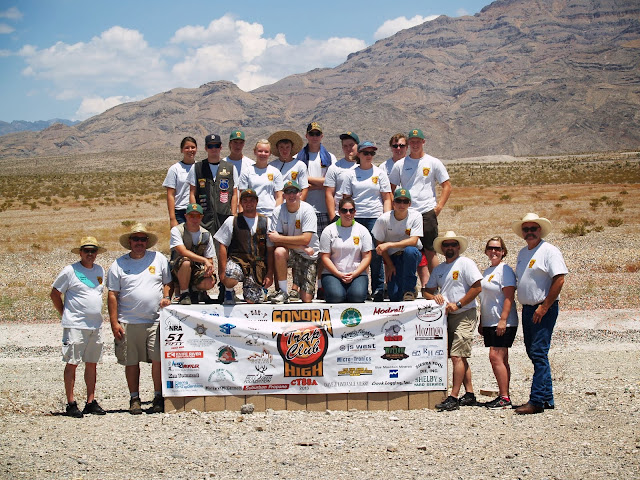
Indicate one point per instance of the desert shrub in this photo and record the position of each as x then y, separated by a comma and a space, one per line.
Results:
614, 222
128, 223
579, 229
624, 192
616, 205
564, 197
505, 198
458, 208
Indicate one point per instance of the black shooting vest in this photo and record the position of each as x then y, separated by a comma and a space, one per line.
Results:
247, 250
214, 195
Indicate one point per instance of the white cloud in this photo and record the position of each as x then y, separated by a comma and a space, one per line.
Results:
94, 105
5, 53
4, 28
11, 13
393, 26
461, 12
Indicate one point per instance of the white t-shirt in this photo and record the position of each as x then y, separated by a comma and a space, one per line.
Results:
366, 188
177, 178
335, 176
240, 164
191, 179
225, 232
266, 182
388, 229
420, 178
316, 198
294, 170
296, 223
455, 279
494, 279
387, 166
82, 290
346, 245
535, 270
139, 283
176, 239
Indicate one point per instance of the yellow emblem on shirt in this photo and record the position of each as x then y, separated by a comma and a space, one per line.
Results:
294, 175
270, 177
152, 270
356, 240
455, 275
374, 180
100, 280
490, 278
425, 171
297, 223
407, 232
532, 262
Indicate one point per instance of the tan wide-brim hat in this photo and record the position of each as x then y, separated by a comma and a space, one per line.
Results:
545, 225
88, 242
138, 228
450, 235
286, 135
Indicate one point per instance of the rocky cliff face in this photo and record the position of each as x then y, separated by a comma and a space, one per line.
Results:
520, 77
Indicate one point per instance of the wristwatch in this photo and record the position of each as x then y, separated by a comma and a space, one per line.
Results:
458, 304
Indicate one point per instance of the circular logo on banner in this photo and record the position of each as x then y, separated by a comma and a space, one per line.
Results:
430, 313
303, 347
351, 317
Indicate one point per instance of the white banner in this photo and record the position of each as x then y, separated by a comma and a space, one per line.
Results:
303, 348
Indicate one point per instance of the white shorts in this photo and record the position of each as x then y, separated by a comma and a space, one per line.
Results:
81, 345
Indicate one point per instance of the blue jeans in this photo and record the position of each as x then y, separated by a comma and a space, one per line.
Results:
537, 341
377, 272
336, 291
405, 278
180, 215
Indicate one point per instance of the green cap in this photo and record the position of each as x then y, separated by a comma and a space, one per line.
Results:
291, 184
237, 135
416, 133
194, 207
249, 192
402, 193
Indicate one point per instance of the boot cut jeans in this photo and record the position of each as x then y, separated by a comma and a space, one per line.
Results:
405, 278
377, 270
537, 341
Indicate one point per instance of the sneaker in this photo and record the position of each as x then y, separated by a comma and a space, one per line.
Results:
320, 294
294, 295
158, 404
378, 296
135, 406
73, 410
185, 299
93, 408
229, 298
499, 402
468, 400
451, 403
409, 297
280, 297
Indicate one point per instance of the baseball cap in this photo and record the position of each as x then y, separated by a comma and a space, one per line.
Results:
314, 126
351, 135
416, 133
212, 138
249, 192
291, 184
237, 135
194, 207
364, 145
402, 193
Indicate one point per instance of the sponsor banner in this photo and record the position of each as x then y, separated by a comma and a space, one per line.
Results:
303, 348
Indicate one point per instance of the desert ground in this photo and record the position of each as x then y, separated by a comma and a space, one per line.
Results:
593, 201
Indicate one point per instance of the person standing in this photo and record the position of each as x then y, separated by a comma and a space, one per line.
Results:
498, 317
177, 184
540, 272
398, 145
337, 172
458, 280
236, 157
285, 144
263, 178
81, 283
139, 283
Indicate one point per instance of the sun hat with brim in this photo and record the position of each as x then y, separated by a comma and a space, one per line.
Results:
450, 235
290, 135
545, 225
138, 228
88, 242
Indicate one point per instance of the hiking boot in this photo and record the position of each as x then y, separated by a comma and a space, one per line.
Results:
320, 294
409, 297
378, 296
221, 291
468, 400
294, 295
73, 410
158, 404
229, 297
205, 298
549, 406
135, 406
185, 299
280, 297
451, 403
499, 402
93, 408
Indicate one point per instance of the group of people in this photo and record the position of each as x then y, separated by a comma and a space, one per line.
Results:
328, 220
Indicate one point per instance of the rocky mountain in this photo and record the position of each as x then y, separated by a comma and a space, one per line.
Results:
520, 77
25, 126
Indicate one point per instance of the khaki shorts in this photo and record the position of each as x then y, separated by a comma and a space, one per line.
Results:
141, 343
303, 271
81, 345
461, 328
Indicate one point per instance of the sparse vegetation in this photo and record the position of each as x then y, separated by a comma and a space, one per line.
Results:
614, 222
579, 229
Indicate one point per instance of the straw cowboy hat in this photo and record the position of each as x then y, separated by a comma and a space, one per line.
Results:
545, 225
88, 242
450, 235
138, 228
293, 137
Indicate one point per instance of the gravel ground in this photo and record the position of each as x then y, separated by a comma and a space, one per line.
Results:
593, 432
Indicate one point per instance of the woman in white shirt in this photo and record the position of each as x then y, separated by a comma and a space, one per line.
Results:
265, 179
345, 251
498, 317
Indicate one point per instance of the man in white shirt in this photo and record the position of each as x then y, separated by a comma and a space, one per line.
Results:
540, 272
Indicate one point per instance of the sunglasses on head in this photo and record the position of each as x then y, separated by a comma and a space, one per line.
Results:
348, 210
450, 245
89, 250
368, 153
314, 133
406, 201
398, 145
139, 239
214, 145
530, 229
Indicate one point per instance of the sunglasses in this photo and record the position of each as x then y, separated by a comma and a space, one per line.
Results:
530, 229
398, 145
314, 133
347, 210
291, 191
214, 145
495, 249
450, 245
139, 239
405, 201
368, 153
89, 250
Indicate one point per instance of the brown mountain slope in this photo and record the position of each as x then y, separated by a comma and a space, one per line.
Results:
520, 77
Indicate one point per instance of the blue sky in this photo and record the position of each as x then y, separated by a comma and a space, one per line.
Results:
76, 58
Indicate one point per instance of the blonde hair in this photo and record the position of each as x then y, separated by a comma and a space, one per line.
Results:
502, 245
262, 141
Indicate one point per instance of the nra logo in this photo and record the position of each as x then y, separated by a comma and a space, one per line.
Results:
193, 354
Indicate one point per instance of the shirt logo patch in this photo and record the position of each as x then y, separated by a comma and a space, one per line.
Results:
152, 270
356, 240
425, 172
374, 180
455, 275
407, 232
532, 263
224, 184
270, 177
202, 182
490, 278
100, 280
294, 175
297, 223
